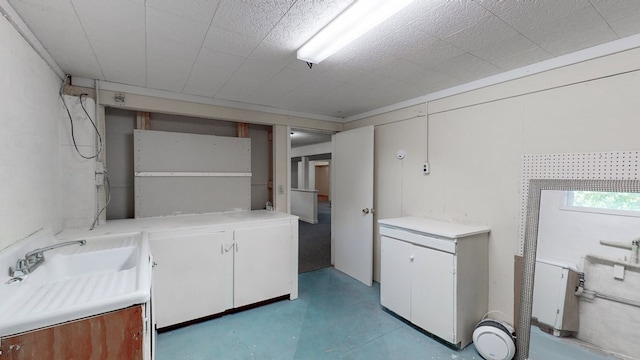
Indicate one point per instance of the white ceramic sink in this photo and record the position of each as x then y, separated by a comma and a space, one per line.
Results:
106, 274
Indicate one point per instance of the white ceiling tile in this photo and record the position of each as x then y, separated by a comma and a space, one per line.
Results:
285, 82
230, 42
568, 27
467, 67
211, 71
432, 52
272, 57
450, 17
582, 40
242, 17
488, 31
622, 16
523, 58
57, 35
169, 26
119, 14
59, 6
169, 63
528, 15
197, 10
303, 20
248, 78
120, 51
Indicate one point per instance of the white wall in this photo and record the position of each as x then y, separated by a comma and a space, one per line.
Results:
476, 141
32, 160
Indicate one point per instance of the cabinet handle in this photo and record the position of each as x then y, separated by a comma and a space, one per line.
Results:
236, 245
412, 258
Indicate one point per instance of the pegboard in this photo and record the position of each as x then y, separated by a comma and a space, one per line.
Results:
613, 165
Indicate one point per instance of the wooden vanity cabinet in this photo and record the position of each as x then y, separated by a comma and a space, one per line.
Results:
115, 335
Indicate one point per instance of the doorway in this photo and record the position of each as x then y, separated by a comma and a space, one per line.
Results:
311, 196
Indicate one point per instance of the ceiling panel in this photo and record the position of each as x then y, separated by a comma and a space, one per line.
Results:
245, 50
82, 60
196, 10
467, 67
169, 63
230, 42
623, 16
450, 17
117, 36
211, 71
169, 26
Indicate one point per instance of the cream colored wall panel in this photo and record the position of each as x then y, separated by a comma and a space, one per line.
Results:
599, 115
474, 158
392, 176
600, 67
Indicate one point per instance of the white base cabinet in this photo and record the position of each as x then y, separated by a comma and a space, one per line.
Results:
435, 274
203, 272
193, 275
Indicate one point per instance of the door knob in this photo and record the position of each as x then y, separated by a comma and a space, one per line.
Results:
365, 211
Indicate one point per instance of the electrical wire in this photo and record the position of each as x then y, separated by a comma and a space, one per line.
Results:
73, 137
108, 189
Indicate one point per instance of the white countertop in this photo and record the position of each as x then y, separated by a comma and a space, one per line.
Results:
179, 222
434, 227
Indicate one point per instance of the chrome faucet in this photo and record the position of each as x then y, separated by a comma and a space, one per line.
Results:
35, 258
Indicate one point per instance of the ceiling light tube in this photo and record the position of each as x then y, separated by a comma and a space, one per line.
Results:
357, 19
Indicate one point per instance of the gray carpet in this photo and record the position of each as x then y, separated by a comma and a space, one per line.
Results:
315, 241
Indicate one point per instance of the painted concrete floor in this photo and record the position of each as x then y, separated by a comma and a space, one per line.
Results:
335, 317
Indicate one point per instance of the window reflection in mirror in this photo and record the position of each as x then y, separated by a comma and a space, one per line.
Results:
591, 239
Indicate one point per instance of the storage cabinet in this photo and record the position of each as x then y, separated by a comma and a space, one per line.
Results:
193, 274
202, 272
435, 274
115, 335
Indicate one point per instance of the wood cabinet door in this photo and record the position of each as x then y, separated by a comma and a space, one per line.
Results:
396, 258
262, 263
433, 292
111, 336
193, 275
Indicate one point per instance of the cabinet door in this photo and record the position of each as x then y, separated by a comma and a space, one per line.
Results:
433, 292
262, 264
193, 275
395, 276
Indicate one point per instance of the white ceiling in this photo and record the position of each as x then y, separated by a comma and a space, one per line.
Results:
244, 50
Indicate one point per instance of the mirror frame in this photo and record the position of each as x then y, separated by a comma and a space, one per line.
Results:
536, 186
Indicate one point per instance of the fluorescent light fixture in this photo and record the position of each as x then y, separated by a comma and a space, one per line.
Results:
357, 19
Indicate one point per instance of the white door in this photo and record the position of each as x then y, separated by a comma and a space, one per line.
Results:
352, 203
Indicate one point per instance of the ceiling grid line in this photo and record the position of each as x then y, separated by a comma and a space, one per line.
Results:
93, 50
200, 48
603, 18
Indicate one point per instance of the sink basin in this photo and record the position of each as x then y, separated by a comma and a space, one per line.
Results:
106, 274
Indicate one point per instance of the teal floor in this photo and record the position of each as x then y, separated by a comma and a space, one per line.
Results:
335, 317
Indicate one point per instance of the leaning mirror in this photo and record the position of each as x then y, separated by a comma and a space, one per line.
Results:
567, 241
